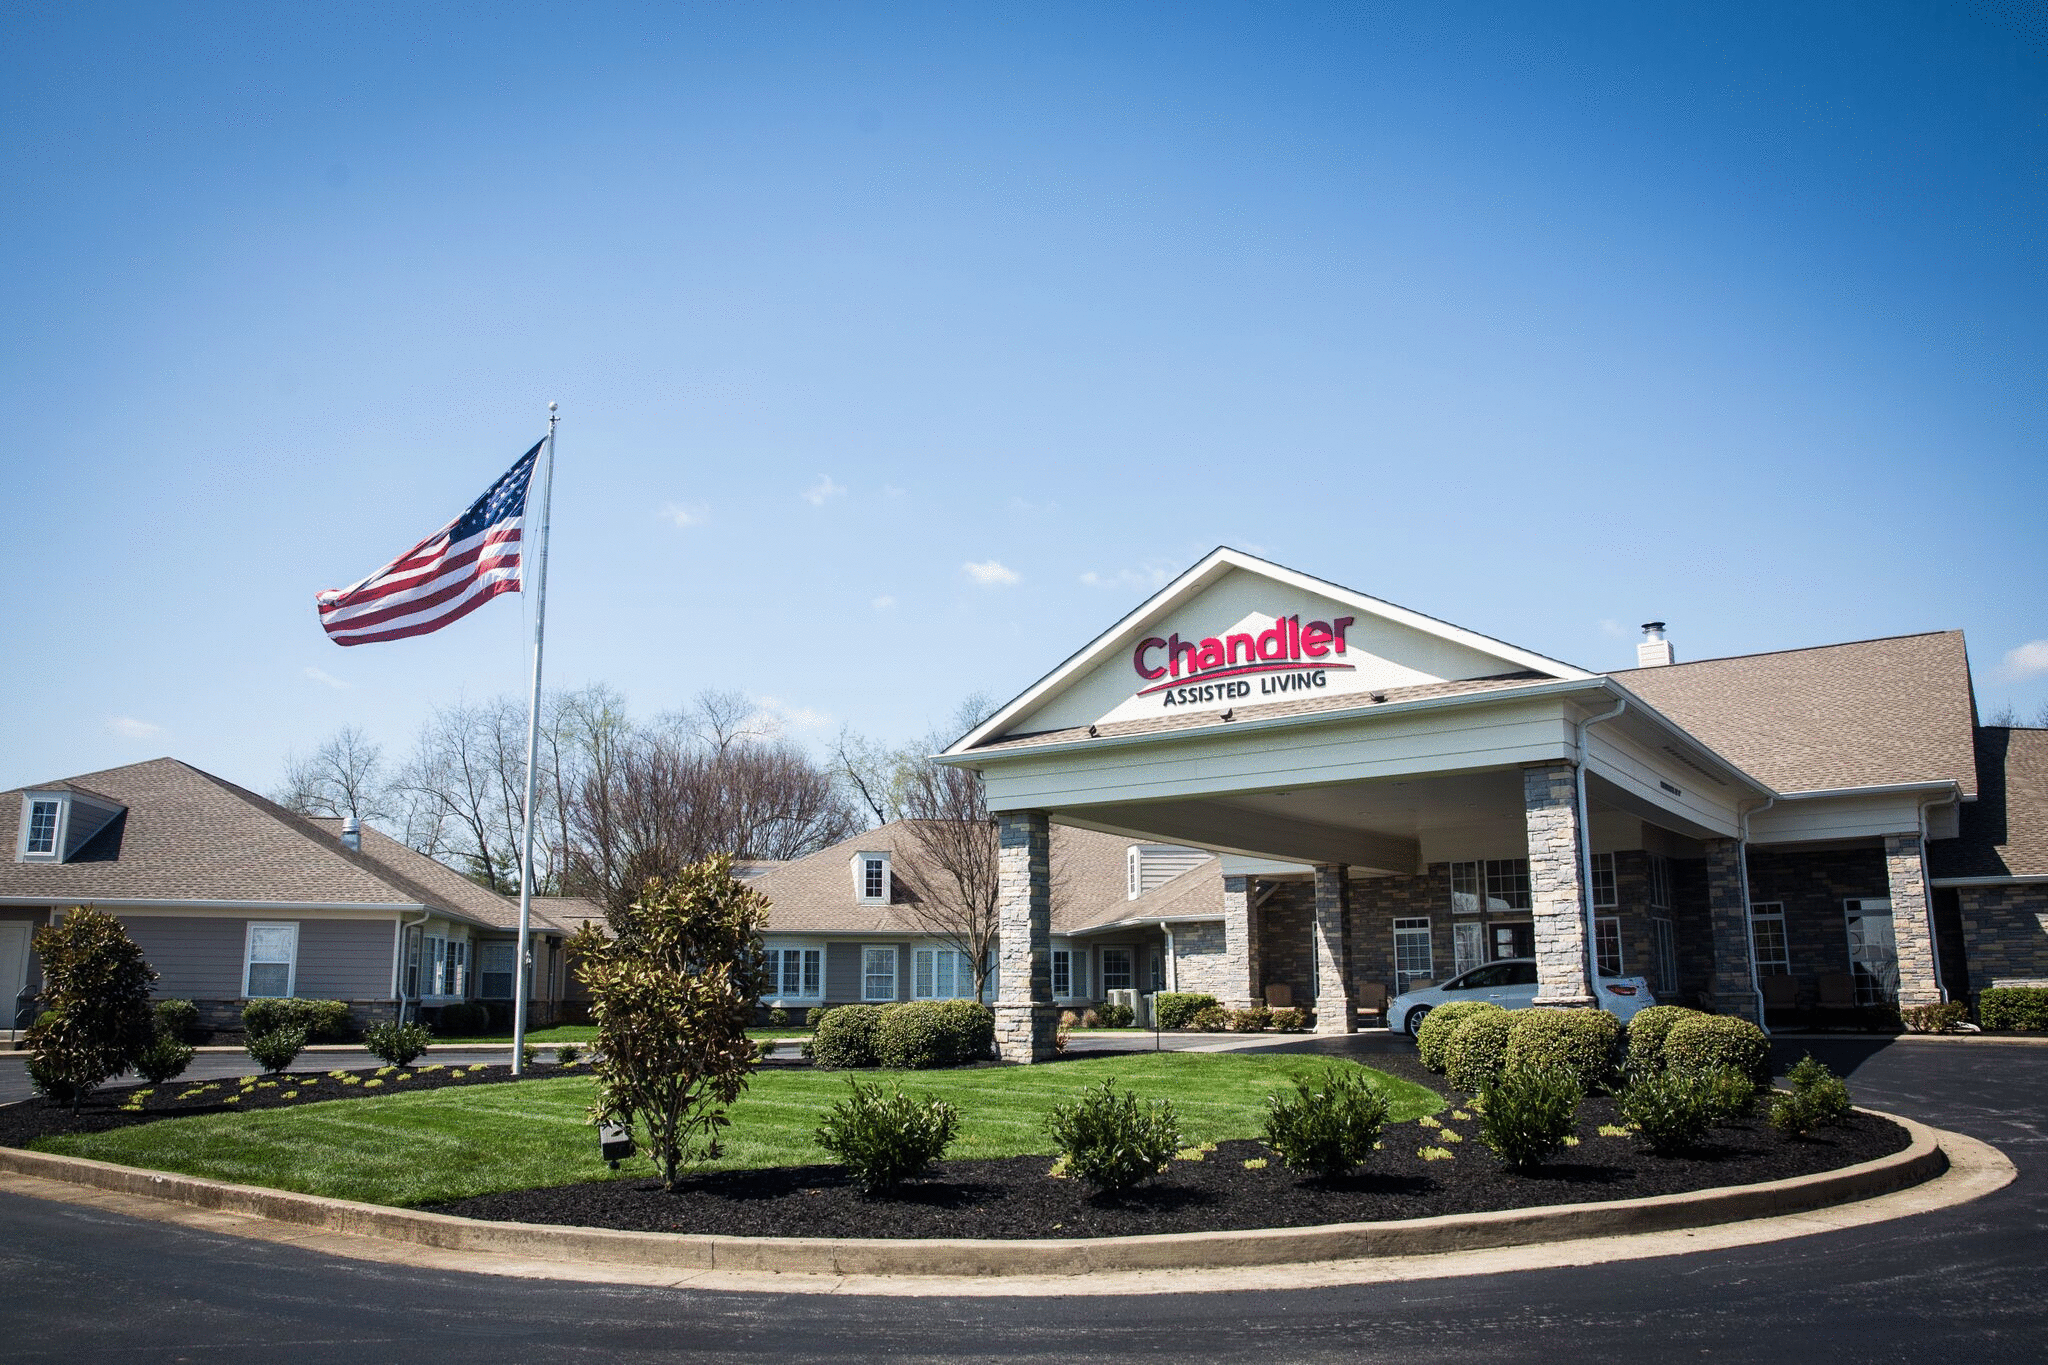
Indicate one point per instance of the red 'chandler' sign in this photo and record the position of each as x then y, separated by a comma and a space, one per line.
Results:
1190, 666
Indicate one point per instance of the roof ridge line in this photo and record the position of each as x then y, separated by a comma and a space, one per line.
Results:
1795, 649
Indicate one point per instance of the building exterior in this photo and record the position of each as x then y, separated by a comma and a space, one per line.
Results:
232, 897
1396, 798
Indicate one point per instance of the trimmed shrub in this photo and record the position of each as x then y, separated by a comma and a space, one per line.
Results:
1110, 1140
1941, 1018
883, 1140
322, 1020
778, 1018
1329, 1127
846, 1036
1670, 1111
1439, 1024
2022, 1009
1731, 1094
1116, 1016
397, 1044
568, 1054
1257, 1019
1290, 1021
1477, 1050
1209, 1019
921, 1034
278, 1049
1818, 1098
813, 1016
164, 1059
1527, 1114
1581, 1042
1177, 1009
177, 1019
1699, 1045
1644, 1036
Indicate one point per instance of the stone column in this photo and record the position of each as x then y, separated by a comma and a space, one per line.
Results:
1557, 893
1905, 864
1335, 1010
1243, 976
1025, 1020
1733, 984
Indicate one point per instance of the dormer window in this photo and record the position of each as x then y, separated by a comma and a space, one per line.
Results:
871, 878
42, 829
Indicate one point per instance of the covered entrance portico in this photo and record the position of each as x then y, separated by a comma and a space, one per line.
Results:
1413, 794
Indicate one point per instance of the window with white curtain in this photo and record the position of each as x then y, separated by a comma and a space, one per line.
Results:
271, 961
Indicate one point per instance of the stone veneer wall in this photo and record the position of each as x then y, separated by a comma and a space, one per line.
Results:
1202, 962
1812, 885
1025, 1018
1556, 883
1912, 925
2006, 928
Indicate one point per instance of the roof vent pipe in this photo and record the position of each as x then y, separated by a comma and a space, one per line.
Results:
352, 833
1654, 651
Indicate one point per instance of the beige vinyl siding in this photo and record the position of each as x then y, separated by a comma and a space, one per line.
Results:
345, 959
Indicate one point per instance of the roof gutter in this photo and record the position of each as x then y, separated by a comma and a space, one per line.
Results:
1946, 784
52, 899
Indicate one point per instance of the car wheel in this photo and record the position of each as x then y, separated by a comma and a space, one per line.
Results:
1414, 1020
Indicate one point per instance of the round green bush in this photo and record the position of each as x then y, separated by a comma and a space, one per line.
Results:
1328, 1126
1525, 1116
1440, 1023
1177, 1009
1696, 1046
278, 1049
1644, 1036
1478, 1049
845, 1037
1111, 1140
1580, 1043
1115, 1016
1209, 1019
177, 1019
884, 1140
1671, 1112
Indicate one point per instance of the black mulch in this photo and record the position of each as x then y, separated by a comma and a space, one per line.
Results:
23, 1123
1016, 1198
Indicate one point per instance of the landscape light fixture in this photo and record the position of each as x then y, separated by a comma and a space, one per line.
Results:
614, 1143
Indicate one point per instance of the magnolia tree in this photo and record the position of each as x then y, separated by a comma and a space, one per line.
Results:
673, 991
96, 997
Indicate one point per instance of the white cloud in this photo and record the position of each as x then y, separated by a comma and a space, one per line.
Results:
823, 491
130, 728
1151, 578
2030, 660
685, 515
782, 716
991, 573
321, 675
884, 602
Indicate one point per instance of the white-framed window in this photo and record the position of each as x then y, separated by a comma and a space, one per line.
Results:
1468, 947
1062, 974
39, 829
797, 972
271, 961
1116, 969
1664, 944
878, 972
941, 974
1158, 971
1773, 948
444, 965
1603, 881
1413, 957
494, 970
1490, 884
1607, 943
1660, 882
871, 878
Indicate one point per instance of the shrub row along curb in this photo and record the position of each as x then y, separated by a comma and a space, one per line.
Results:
957, 1257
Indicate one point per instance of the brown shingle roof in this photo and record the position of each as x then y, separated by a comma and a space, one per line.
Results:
815, 894
187, 835
1197, 892
1196, 719
2004, 831
1867, 714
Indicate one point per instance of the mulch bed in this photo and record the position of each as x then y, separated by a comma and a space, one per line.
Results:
106, 1109
1015, 1198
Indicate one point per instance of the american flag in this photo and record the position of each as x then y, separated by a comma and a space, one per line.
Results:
443, 578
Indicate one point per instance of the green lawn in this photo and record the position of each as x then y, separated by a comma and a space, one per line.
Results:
449, 1144
583, 1033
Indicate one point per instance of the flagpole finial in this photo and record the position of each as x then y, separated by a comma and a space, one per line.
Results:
551, 407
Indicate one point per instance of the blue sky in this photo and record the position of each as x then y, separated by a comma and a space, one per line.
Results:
1544, 320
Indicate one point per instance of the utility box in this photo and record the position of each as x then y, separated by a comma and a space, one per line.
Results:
1140, 1006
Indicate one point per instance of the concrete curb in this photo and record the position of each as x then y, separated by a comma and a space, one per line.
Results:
957, 1258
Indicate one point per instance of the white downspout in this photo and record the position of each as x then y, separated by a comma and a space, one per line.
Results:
1586, 909
1933, 938
1756, 986
1172, 966
398, 968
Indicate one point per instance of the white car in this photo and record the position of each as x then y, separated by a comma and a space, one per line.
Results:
1511, 984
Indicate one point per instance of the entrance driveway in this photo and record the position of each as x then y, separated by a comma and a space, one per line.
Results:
1962, 1284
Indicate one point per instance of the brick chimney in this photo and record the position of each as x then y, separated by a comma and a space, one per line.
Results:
1653, 650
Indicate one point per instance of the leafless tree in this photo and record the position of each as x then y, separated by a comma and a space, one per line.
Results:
952, 864
344, 776
874, 774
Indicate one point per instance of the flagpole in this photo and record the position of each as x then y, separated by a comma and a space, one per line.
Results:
540, 614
